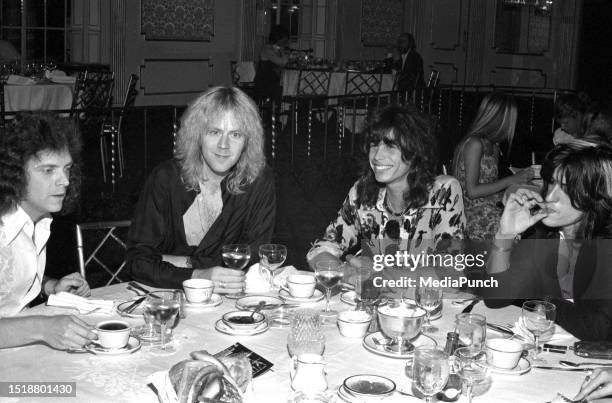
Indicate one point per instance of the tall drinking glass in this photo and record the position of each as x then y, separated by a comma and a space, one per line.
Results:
237, 257
271, 258
538, 317
471, 368
430, 371
328, 274
163, 306
472, 331
428, 298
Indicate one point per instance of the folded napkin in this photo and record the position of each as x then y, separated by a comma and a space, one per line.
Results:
63, 79
257, 279
556, 334
19, 80
83, 305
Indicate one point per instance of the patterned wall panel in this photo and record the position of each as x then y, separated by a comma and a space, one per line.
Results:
177, 20
381, 21
196, 76
446, 14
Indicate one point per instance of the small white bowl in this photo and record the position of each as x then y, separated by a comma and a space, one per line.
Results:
243, 320
198, 289
369, 386
503, 353
353, 323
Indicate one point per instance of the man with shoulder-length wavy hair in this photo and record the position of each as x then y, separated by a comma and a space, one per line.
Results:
39, 175
216, 191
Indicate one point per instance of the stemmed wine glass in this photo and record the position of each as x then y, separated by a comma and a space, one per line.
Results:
237, 257
162, 306
471, 368
428, 298
271, 257
328, 274
430, 371
538, 317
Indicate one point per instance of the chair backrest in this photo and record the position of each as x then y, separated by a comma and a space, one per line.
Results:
103, 251
313, 82
92, 93
128, 101
362, 83
433, 79
3, 79
243, 73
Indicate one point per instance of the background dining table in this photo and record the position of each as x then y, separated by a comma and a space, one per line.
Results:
124, 378
39, 96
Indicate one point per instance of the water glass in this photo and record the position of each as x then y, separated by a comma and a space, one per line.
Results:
428, 298
237, 257
271, 258
329, 273
163, 307
305, 335
471, 368
430, 371
472, 331
538, 317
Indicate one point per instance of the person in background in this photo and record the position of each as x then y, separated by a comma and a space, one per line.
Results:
39, 175
570, 112
400, 198
476, 160
567, 260
217, 190
271, 60
407, 62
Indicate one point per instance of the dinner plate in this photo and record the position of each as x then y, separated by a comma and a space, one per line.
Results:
215, 300
252, 301
223, 328
136, 313
370, 345
522, 367
316, 297
349, 297
133, 345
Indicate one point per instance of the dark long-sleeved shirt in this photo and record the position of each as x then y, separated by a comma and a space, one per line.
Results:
533, 275
157, 227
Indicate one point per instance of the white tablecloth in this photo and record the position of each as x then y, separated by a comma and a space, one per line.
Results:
123, 378
38, 97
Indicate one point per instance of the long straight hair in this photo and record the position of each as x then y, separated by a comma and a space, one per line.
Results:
204, 112
495, 121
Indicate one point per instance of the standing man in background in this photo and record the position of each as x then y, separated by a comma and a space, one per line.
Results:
407, 62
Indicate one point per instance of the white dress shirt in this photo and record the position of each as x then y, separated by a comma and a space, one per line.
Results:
23, 254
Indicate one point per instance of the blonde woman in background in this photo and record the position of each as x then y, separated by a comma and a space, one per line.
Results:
475, 164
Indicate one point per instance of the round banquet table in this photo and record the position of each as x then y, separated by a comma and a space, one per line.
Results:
123, 378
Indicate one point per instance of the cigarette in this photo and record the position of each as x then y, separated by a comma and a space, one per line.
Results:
358, 252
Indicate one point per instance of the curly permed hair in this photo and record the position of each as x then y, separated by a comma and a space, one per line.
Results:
23, 139
412, 133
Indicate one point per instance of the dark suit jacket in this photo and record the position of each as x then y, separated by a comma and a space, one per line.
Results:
411, 75
533, 275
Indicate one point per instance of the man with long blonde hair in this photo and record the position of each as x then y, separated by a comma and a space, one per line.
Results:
217, 190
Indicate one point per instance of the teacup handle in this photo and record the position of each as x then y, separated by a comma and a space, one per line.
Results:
283, 287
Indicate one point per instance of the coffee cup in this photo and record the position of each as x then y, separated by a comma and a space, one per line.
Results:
301, 285
113, 334
198, 290
503, 353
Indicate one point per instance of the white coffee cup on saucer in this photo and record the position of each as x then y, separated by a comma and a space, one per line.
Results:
112, 334
301, 285
198, 290
503, 353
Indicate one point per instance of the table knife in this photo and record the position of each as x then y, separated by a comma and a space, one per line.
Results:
563, 368
130, 308
469, 308
502, 329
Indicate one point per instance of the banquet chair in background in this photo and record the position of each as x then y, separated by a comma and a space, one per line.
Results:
109, 236
361, 88
3, 79
243, 76
111, 135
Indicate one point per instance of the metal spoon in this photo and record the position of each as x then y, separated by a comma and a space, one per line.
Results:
257, 309
579, 364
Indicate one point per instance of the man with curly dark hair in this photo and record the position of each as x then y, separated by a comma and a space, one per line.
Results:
39, 175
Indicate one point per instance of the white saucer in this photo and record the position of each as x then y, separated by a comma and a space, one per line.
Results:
251, 302
349, 297
523, 366
215, 300
223, 328
316, 297
368, 344
136, 313
133, 345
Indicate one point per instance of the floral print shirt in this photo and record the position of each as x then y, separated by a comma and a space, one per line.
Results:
441, 218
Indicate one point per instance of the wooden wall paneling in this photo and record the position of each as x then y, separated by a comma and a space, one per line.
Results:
196, 76
518, 76
248, 31
117, 35
476, 42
